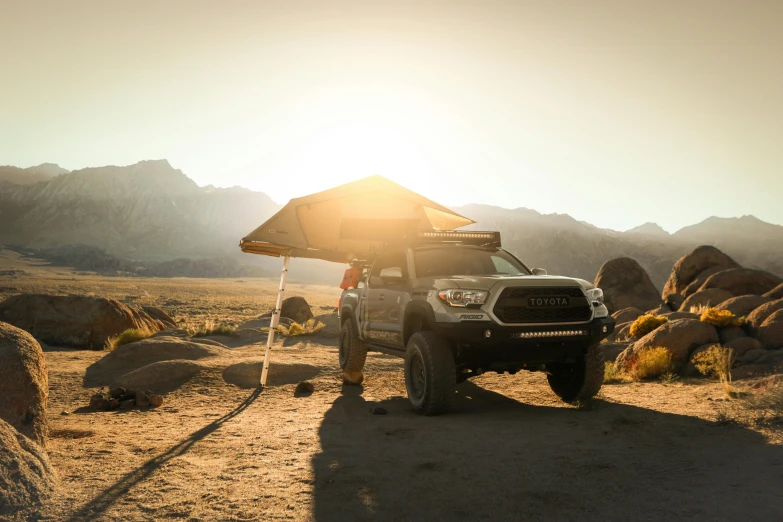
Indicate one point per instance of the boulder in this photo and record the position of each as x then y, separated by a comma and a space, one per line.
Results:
681, 315
26, 476
743, 281
160, 316
696, 283
610, 351
674, 301
24, 383
680, 337
775, 293
627, 315
754, 356
78, 321
621, 333
626, 284
743, 345
711, 297
754, 320
159, 373
688, 267
297, 309
743, 305
770, 333
731, 333
663, 309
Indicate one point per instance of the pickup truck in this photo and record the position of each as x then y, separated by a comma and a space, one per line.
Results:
455, 305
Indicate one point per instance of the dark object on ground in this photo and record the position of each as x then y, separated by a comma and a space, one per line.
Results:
297, 309
379, 411
304, 388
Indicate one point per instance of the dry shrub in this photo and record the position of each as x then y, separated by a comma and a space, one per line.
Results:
646, 324
211, 328
311, 327
613, 374
699, 309
716, 361
131, 335
721, 318
650, 363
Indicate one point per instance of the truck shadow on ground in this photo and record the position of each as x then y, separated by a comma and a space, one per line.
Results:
498, 459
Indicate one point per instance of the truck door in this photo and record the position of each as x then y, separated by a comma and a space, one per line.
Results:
386, 294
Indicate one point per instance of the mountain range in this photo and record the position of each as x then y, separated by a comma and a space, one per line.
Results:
154, 213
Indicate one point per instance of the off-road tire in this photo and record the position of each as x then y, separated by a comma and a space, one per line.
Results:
353, 352
579, 381
430, 373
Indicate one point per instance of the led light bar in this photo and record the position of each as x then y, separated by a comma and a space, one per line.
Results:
451, 236
553, 333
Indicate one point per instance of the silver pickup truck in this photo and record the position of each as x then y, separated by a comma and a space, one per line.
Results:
455, 305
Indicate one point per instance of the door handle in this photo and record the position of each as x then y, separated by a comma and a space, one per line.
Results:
381, 297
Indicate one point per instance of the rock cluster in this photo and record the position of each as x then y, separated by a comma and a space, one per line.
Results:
703, 279
122, 399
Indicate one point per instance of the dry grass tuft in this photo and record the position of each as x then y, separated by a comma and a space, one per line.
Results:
651, 363
721, 318
716, 361
311, 327
646, 324
211, 328
613, 374
131, 335
699, 309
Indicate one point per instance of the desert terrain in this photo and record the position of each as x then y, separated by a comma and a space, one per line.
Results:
220, 449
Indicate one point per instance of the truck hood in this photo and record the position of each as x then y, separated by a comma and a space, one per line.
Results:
487, 282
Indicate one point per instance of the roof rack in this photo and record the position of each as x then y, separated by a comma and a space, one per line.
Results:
456, 237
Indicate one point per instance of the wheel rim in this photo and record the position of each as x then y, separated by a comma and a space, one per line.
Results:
417, 377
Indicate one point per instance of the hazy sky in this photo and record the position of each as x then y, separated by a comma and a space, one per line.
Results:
616, 112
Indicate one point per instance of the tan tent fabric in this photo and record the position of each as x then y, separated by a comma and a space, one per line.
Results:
351, 221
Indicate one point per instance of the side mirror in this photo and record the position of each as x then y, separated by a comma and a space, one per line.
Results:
539, 271
393, 274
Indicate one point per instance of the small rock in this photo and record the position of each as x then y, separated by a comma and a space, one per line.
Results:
116, 393
156, 400
99, 403
354, 378
127, 404
129, 396
379, 411
142, 399
114, 404
65, 412
304, 388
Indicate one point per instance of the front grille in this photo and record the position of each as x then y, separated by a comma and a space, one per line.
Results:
512, 306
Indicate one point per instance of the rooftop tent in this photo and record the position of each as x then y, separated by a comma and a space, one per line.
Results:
352, 221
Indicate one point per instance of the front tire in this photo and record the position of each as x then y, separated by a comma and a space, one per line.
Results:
430, 373
353, 352
579, 381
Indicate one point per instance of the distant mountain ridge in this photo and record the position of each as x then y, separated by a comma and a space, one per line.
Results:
152, 212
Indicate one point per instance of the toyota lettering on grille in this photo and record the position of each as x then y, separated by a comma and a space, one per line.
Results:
548, 302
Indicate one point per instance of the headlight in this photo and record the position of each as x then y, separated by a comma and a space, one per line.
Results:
463, 298
595, 296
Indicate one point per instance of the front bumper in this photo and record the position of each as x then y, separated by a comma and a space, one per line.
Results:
476, 333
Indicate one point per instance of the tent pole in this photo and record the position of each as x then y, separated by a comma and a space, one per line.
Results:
275, 321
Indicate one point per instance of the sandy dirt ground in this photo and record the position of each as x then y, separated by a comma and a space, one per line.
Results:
509, 451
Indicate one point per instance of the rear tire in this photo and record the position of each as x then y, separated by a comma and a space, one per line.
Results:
353, 353
579, 381
430, 373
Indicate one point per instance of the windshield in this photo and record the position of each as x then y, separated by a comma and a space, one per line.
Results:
448, 261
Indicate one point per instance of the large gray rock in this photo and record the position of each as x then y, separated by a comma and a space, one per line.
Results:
754, 320
674, 301
627, 315
24, 383
700, 279
731, 333
743, 305
26, 476
688, 267
743, 345
626, 284
680, 337
711, 297
770, 332
78, 321
743, 281
610, 351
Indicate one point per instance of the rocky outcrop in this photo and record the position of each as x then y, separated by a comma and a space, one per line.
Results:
297, 309
680, 337
674, 301
77, 321
775, 293
26, 476
627, 315
770, 333
760, 314
24, 383
711, 297
743, 305
743, 281
743, 345
688, 267
626, 284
